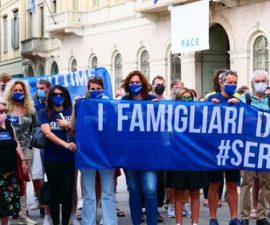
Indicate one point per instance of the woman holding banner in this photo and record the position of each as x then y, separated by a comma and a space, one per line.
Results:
22, 115
185, 180
140, 182
96, 91
59, 152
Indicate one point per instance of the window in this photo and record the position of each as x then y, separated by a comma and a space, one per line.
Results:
94, 62
5, 47
41, 71
15, 31
30, 25
118, 69
175, 67
54, 69
75, 5
145, 66
73, 66
30, 71
95, 4
41, 21
54, 6
261, 54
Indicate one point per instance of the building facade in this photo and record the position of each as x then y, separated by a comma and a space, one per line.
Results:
125, 35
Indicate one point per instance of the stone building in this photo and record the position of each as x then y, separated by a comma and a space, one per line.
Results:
123, 35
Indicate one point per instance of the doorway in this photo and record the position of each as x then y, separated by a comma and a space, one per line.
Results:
215, 57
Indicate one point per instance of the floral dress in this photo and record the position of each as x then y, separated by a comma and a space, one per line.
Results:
9, 184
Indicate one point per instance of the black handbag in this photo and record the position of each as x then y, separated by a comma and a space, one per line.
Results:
44, 194
38, 140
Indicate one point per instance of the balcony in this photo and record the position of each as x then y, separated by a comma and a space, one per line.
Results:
33, 47
148, 6
66, 22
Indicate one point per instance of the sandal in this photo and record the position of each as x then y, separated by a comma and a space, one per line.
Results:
120, 213
205, 203
253, 214
159, 218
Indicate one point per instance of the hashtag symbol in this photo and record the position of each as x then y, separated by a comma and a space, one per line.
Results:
223, 154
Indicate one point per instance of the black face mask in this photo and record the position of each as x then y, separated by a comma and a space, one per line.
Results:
159, 89
3, 87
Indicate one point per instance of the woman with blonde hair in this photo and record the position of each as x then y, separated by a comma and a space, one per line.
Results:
21, 113
181, 181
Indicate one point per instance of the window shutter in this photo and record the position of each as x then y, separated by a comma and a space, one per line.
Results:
12, 33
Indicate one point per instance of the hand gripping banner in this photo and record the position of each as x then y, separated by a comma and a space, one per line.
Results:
171, 135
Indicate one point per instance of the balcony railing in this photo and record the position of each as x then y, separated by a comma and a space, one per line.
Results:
148, 6
38, 46
66, 22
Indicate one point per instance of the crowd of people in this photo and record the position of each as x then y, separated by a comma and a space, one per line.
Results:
52, 110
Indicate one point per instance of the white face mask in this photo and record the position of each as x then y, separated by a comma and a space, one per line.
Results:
260, 87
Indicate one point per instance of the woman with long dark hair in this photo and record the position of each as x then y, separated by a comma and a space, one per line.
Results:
59, 152
140, 182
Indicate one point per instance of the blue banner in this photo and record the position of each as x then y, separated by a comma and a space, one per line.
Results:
75, 82
170, 135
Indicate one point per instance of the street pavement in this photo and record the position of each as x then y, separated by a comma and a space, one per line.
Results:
122, 203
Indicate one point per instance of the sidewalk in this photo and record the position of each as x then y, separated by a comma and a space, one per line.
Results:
122, 203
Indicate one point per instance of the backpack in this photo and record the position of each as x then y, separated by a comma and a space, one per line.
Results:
249, 99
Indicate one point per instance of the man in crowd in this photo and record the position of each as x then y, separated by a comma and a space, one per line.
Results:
4, 79
258, 99
228, 85
159, 86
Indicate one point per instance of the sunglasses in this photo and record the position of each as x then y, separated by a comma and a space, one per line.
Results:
3, 111
183, 98
58, 94
94, 78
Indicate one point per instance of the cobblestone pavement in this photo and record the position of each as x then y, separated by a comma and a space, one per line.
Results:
122, 203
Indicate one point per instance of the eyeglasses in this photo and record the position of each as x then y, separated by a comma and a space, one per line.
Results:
94, 78
189, 98
226, 73
58, 94
3, 111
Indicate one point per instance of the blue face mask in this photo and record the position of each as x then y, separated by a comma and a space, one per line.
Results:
135, 89
58, 100
96, 94
18, 96
41, 93
230, 89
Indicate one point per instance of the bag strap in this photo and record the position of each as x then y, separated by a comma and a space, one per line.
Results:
248, 98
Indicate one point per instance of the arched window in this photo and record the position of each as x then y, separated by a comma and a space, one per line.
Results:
41, 70
94, 62
261, 54
175, 67
73, 66
54, 69
118, 69
145, 65
30, 71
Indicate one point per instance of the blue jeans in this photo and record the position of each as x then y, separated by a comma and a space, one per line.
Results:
88, 177
142, 183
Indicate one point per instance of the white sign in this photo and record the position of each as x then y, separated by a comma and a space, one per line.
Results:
190, 27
